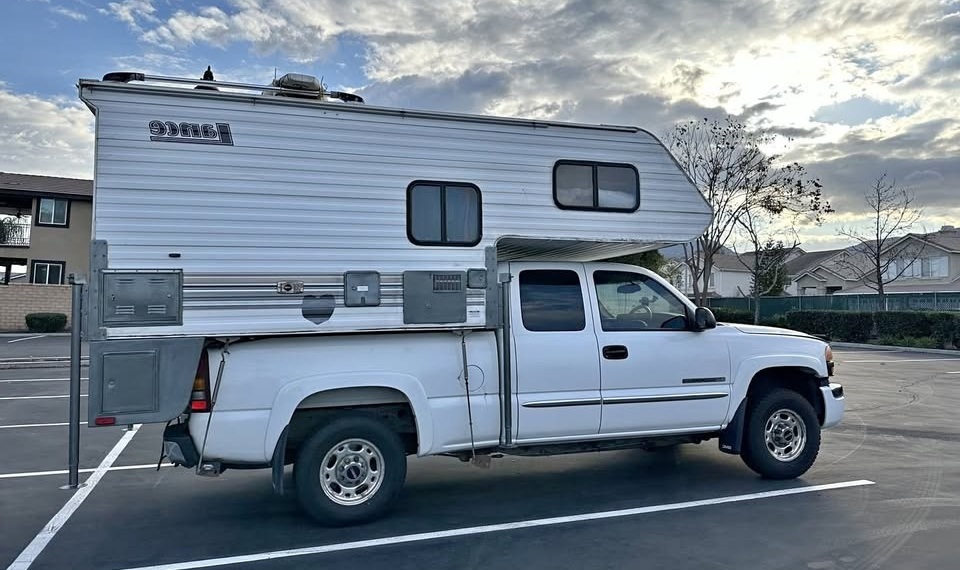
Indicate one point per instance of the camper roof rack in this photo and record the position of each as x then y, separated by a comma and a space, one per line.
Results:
290, 85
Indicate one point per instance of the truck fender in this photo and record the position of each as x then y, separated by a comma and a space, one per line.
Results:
750, 367
291, 394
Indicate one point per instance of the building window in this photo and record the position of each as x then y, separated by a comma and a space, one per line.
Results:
443, 213
924, 267
53, 212
579, 185
47, 272
551, 301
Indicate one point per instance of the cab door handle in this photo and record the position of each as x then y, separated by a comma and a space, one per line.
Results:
615, 352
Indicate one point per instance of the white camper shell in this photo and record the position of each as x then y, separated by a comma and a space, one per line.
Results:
279, 274
258, 210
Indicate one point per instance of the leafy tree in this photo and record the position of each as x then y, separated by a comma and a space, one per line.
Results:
652, 260
725, 160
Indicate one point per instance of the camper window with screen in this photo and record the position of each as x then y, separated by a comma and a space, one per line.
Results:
443, 213
580, 185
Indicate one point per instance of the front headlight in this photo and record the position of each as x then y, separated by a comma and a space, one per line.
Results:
828, 356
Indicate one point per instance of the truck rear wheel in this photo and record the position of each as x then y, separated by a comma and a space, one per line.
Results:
782, 436
350, 471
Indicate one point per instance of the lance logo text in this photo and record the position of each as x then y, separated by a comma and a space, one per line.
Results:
196, 133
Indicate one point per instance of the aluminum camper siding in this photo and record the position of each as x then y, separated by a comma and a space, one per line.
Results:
310, 190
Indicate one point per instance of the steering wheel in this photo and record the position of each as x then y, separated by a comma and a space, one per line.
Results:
646, 308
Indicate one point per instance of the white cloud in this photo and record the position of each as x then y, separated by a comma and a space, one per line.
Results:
45, 136
68, 13
131, 12
650, 63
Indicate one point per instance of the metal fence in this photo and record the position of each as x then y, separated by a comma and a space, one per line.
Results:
773, 306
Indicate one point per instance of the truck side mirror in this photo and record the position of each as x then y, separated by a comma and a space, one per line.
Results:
703, 319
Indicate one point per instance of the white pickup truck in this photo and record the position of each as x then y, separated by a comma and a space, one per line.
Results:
599, 356
286, 275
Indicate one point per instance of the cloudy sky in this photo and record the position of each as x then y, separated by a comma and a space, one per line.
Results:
861, 87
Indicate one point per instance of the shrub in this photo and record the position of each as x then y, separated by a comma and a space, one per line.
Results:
725, 315
779, 321
945, 329
908, 341
46, 322
841, 326
903, 323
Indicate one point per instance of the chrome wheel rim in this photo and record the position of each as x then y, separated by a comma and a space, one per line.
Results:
785, 435
352, 472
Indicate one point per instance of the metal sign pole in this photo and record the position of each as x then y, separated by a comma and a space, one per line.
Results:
76, 319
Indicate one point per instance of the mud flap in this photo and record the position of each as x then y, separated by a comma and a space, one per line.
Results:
277, 463
731, 437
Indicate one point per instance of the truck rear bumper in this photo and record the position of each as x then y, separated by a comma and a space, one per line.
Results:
178, 447
833, 404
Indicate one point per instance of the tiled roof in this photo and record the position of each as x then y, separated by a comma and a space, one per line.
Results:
809, 260
726, 262
36, 185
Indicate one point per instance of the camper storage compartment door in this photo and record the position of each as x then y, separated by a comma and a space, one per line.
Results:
434, 297
141, 298
141, 381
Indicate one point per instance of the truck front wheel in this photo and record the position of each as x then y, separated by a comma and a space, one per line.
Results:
782, 437
350, 470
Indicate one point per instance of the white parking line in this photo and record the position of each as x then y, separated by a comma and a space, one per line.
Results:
88, 470
15, 426
25, 338
40, 541
954, 372
898, 361
425, 536
39, 380
39, 397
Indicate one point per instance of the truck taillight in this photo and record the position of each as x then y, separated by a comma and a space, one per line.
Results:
200, 396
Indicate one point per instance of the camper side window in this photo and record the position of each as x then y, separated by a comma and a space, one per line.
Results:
443, 213
580, 185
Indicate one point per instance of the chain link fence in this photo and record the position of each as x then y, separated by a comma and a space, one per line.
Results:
774, 306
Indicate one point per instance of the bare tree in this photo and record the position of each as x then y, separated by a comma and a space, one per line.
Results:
725, 161
880, 256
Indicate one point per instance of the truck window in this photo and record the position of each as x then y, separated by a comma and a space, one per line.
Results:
551, 300
634, 302
443, 213
582, 185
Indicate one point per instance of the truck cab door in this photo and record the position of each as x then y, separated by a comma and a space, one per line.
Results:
657, 375
557, 363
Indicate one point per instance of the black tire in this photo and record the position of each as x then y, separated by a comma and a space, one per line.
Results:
314, 493
796, 411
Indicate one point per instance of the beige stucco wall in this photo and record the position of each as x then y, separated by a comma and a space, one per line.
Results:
17, 301
70, 245
808, 281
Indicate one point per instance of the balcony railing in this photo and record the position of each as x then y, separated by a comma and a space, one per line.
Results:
14, 233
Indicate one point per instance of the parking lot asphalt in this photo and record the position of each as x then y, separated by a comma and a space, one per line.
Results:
33, 345
694, 507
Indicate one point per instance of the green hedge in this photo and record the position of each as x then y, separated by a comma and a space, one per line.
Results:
898, 328
902, 324
841, 326
725, 315
46, 322
945, 329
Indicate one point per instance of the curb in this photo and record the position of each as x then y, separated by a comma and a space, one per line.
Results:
49, 362
28, 333
885, 348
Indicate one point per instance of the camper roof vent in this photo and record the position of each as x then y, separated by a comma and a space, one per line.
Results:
308, 86
298, 82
